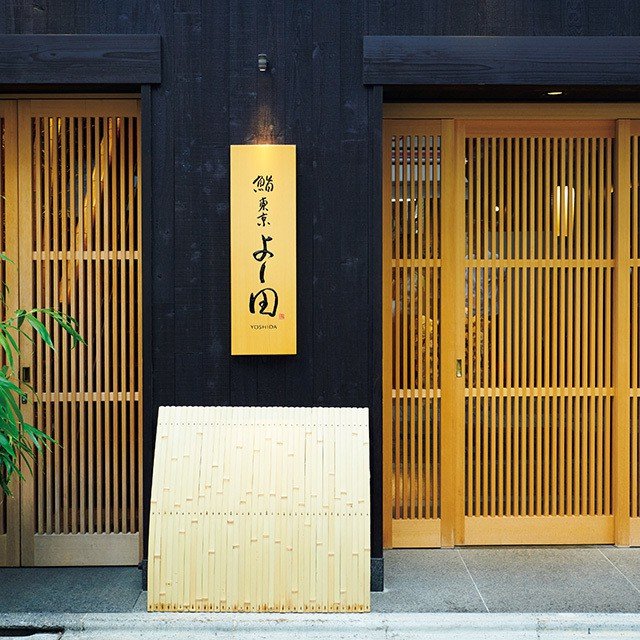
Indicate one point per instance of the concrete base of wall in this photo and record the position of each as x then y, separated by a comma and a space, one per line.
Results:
143, 572
377, 574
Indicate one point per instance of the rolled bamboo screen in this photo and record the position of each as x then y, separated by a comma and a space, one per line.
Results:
260, 509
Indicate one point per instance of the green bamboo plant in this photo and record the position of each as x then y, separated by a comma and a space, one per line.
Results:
19, 440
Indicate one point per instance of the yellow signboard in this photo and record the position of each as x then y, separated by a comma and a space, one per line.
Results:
263, 249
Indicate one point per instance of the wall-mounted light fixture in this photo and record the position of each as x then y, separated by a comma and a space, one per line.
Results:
555, 93
263, 62
564, 204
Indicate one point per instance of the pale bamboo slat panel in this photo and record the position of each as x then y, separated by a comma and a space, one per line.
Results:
539, 298
83, 250
411, 327
260, 509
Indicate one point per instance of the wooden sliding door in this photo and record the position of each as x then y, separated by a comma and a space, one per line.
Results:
412, 328
77, 249
511, 403
539, 230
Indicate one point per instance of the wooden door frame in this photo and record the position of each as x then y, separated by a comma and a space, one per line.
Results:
146, 294
85, 63
510, 74
87, 106
453, 117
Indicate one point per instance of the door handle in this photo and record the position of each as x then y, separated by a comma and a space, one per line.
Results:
25, 376
459, 368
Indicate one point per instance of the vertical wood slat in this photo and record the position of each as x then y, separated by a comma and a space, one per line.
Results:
412, 360
397, 310
72, 298
436, 342
9, 507
29, 181
600, 492
88, 216
634, 382
452, 336
419, 257
43, 283
62, 299
404, 306
622, 322
83, 318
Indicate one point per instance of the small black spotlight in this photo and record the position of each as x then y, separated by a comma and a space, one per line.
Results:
263, 62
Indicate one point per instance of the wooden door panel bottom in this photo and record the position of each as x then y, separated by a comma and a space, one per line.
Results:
533, 530
8, 556
66, 550
634, 532
416, 533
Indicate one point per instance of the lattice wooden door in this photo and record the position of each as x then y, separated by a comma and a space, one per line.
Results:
511, 412
539, 311
77, 165
412, 331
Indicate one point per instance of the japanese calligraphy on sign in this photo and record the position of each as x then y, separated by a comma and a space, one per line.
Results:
263, 249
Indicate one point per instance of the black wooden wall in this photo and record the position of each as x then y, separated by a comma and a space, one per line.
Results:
211, 96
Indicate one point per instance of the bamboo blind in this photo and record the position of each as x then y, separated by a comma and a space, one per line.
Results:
260, 509
538, 274
412, 329
81, 254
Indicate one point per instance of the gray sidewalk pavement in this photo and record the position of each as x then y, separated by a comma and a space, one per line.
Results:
480, 579
510, 592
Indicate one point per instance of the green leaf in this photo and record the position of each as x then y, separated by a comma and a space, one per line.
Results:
41, 329
21, 442
6, 347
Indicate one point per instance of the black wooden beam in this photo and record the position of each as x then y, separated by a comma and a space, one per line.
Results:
501, 60
79, 59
